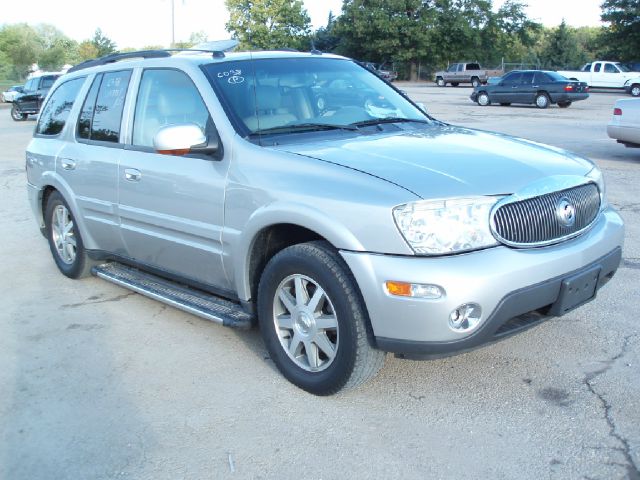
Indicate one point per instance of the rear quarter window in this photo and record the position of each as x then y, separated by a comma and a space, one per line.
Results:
55, 113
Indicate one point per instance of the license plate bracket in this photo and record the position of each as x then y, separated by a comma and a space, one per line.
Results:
576, 290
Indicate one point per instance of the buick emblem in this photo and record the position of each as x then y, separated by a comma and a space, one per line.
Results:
566, 212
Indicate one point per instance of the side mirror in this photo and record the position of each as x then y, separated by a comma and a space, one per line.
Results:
184, 139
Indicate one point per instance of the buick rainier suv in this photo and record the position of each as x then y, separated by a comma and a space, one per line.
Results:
302, 193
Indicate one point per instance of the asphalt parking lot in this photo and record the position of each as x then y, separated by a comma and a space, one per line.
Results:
98, 382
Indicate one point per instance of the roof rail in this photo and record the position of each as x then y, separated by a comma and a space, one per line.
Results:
116, 57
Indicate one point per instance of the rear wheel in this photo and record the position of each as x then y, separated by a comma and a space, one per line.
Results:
313, 320
17, 115
475, 82
483, 99
635, 90
64, 239
454, 84
564, 104
440, 82
542, 100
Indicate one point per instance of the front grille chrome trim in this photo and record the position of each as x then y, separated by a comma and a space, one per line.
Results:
528, 218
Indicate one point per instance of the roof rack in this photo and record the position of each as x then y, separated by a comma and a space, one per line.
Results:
116, 57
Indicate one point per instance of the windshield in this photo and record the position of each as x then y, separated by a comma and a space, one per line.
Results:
289, 95
623, 68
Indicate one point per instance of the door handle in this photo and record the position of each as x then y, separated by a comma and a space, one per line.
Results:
68, 164
132, 174
514, 86
536, 86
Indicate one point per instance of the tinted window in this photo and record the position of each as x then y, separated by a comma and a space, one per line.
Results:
512, 78
166, 97
555, 76
527, 78
596, 67
55, 112
473, 66
452, 68
541, 78
29, 86
586, 68
48, 80
86, 114
608, 68
107, 114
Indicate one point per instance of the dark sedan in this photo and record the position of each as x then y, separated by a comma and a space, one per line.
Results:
533, 87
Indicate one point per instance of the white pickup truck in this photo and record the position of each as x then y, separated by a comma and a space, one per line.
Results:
602, 74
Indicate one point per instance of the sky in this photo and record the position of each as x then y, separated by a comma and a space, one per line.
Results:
139, 23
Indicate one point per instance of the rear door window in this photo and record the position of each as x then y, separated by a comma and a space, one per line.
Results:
56, 111
101, 115
527, 78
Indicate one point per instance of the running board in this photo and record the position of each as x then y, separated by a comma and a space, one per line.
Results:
196, 302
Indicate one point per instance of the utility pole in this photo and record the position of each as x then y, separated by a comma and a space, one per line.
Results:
173, 23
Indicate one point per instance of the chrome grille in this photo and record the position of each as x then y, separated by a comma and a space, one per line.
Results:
535, 221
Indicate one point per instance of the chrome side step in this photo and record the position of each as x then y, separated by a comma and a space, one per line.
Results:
202, 304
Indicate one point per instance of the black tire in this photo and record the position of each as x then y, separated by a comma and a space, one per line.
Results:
454, 84
80, 266
475, 82
505, 104
542, 100
355, 361
16, 115
483, 99
635, 90
440, 82
564, 104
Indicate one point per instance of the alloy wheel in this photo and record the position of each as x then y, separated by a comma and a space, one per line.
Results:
63, 234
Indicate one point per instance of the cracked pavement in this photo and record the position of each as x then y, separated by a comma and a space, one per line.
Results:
101, 383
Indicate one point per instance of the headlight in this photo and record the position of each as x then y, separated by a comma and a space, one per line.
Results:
596, 175
438, 227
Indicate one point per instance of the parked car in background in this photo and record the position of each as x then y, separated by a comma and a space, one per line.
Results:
388, 75
534, 87
11, 93
625, 122
601, 74
33, 94
632, 86
458, 73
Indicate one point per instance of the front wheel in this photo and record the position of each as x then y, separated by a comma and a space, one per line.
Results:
17, 115
64, 239
454, 84
475, 82
635, 90
483, 99
542, 100
313, 320
440, 82
564, 104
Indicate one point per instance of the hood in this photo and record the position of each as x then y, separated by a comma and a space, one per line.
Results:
443, 161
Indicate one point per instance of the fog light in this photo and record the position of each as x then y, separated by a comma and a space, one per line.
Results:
465, 317
416, 290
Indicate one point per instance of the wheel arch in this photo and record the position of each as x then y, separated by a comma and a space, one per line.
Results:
273, 228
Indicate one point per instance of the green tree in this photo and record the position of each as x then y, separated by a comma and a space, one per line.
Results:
87, 51
325, 39
19, 42
561, 48
269, 24
385, 30
622, 35
104, 45
56, 48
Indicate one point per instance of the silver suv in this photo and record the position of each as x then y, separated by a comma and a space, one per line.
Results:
302, 192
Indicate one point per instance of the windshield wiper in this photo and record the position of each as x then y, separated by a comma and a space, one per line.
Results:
378, 121
303, 127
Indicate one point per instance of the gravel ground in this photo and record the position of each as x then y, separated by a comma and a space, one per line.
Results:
97, 382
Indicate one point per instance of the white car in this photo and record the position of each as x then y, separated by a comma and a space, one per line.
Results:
11, 93
625, 123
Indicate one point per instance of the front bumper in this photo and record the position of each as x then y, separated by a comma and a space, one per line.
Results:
506, 282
